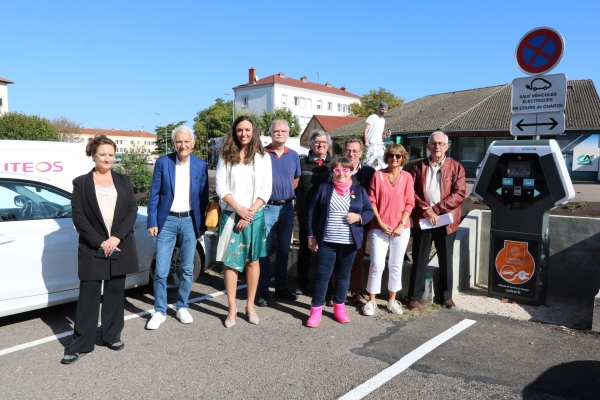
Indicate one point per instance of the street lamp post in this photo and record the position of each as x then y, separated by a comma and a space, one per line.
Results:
232, 105
166, 134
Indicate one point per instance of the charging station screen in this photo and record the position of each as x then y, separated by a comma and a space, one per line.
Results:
518, 169
518, 180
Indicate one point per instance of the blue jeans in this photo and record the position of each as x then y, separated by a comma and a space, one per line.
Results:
279, 222
330, 257
178, 231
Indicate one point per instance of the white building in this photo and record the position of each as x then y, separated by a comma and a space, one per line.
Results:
304, 98
4, 94
125, 140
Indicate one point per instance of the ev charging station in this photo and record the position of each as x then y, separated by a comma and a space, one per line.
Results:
522, 180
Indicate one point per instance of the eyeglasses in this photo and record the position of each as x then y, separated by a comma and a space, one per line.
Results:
396, 156
352, 151
437, 144
320, 143
341, 170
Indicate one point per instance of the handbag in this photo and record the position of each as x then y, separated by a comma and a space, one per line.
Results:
212, 215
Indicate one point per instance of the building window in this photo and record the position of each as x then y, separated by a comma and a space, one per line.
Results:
319, 104
296, 101
131, 142
245, 101
339, 107
139, 141
284, 99
303, 102
309, 103
330, 106
345, 108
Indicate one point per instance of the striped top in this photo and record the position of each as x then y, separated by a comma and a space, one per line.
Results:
337, 229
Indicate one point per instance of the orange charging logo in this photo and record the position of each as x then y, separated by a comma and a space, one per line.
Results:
514, 263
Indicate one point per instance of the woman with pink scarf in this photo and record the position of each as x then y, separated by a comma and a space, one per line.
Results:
337, 212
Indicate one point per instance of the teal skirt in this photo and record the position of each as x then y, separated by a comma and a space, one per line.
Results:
244, 246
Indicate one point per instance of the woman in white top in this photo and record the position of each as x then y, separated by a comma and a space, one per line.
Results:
244, 183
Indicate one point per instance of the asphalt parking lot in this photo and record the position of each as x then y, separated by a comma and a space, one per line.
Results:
380, 357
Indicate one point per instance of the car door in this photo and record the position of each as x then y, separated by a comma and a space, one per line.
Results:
38, 246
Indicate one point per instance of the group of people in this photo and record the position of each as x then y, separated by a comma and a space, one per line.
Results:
340, 203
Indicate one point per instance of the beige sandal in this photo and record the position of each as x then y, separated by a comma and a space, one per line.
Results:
230, 322
253, 319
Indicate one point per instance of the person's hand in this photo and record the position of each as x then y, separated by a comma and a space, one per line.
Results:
313, 245
352, 218
245, 213
110, 245
431, 216
242, 224
153, 231
398, 231
385, 228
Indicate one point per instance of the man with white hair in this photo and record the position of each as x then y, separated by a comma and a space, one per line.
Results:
440, 188
176, 206
279, 213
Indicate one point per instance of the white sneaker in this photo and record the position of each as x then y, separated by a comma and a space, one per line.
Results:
394, 307
369, 308
183, 315
155, 321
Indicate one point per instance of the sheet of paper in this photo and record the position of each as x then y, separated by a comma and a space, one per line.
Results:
443, 219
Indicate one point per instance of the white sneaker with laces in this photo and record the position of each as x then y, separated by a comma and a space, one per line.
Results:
155, 321
369, 308
394, 307
183, 315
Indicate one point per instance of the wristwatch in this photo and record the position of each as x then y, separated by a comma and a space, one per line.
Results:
403, 223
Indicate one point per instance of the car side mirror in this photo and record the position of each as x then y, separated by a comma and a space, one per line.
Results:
19, 201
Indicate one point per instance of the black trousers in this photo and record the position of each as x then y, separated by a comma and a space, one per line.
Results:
303, 266
421, 248
88, 308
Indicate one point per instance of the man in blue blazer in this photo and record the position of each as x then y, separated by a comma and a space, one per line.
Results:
178, 199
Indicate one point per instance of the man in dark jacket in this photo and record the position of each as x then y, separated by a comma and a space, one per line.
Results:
440, 187
361, 175
314, 171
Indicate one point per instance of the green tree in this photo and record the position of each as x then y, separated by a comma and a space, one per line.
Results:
18, 126
133, 164
370, 101
164, 134
214, 121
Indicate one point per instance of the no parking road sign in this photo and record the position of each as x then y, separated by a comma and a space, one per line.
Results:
539, 51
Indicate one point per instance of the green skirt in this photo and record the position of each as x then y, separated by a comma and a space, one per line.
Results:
236, 248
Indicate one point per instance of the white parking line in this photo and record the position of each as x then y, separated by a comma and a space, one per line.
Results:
406, 361
127, 317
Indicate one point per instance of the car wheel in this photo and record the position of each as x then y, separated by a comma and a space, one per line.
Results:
173, 278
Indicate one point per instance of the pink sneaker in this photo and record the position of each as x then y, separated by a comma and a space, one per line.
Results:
339, 313
315, 317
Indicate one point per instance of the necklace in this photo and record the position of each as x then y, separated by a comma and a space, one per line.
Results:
108, 183
389, 176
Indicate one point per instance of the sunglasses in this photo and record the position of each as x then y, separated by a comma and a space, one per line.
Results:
396, 156
341, 170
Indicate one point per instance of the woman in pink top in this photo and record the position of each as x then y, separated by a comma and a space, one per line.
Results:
392, 196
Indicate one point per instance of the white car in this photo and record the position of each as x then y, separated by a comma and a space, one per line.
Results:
150, 161
38, 246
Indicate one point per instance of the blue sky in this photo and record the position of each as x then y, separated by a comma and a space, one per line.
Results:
114, 64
